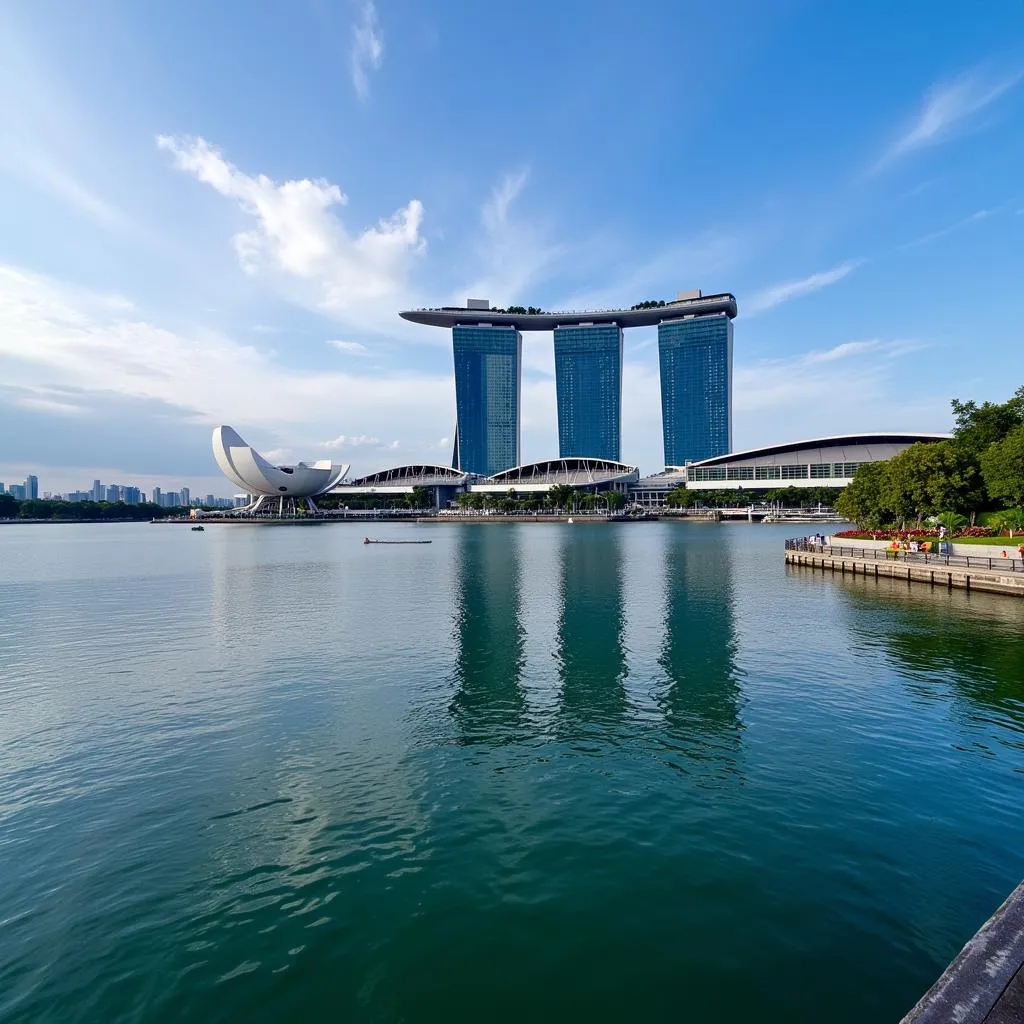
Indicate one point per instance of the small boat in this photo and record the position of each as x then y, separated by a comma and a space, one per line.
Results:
198, 529
366, 540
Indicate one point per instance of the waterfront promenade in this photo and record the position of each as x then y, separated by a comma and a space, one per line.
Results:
993, 575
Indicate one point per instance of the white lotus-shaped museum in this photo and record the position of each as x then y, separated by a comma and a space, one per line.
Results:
247, 469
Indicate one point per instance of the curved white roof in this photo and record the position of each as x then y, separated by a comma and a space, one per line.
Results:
879, 439
575, 470
415, 475
247, 469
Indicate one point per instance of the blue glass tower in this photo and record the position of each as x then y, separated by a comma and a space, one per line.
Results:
696, 387
488, 375
588, 382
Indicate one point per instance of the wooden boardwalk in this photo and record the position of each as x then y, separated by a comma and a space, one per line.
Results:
985, 983
991, 575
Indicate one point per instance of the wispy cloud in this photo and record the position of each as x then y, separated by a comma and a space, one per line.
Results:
55, 339
767, 298
853, 386
513, 251
852, 349
933, 235
948, 107
350, 348
495, 211
367, 49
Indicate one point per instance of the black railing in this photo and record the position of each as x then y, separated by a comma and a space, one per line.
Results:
998, 564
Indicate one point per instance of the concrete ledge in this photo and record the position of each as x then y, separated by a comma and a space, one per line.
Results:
934, 573
985, 983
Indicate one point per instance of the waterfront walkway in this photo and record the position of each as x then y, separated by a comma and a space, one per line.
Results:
985, 983
967, 572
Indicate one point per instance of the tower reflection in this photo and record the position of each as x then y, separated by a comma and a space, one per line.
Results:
591, 655
489, 702
701, 702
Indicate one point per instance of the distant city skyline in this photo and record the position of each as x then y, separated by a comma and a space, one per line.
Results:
181, 495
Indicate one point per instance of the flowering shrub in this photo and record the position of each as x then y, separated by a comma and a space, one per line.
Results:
929, 534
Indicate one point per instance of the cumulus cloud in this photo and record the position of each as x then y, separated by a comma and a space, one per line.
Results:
367, 49
767, 298
298, 234
350, 441
948, 107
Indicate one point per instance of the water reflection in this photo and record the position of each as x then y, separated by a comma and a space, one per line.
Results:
701, 702
489, 702
591, 653
941, 639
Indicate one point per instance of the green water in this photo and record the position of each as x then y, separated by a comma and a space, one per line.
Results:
606, 773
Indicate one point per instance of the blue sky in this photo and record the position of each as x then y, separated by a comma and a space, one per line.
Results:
212, 213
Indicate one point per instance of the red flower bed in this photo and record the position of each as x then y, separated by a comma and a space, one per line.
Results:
928, 534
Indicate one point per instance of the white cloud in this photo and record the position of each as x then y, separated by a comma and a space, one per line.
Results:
367, 49
55, 336
946, 108
349, 441
809, 395
350, 348
298, 235
779, 293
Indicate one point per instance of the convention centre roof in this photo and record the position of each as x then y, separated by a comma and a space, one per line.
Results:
866, 447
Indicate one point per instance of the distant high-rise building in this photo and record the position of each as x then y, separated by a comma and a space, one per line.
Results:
17, 491
112, 494
172, 499
209, 499
97, 491
158, 498
32, 486
131, 495
186, 497
695, 354
588, 384
2, 491
488, 376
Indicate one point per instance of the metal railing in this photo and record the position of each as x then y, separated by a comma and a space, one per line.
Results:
997, 564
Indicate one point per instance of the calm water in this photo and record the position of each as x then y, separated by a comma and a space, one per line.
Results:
528, 772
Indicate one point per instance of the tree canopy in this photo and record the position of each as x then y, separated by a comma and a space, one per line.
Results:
981, 469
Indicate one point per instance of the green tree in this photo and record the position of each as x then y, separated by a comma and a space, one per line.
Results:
1002, 466
978, 426
863, 500
421, 497
926, 479
615, 500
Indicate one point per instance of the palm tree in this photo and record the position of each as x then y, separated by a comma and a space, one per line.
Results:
1012, 520
952, 521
